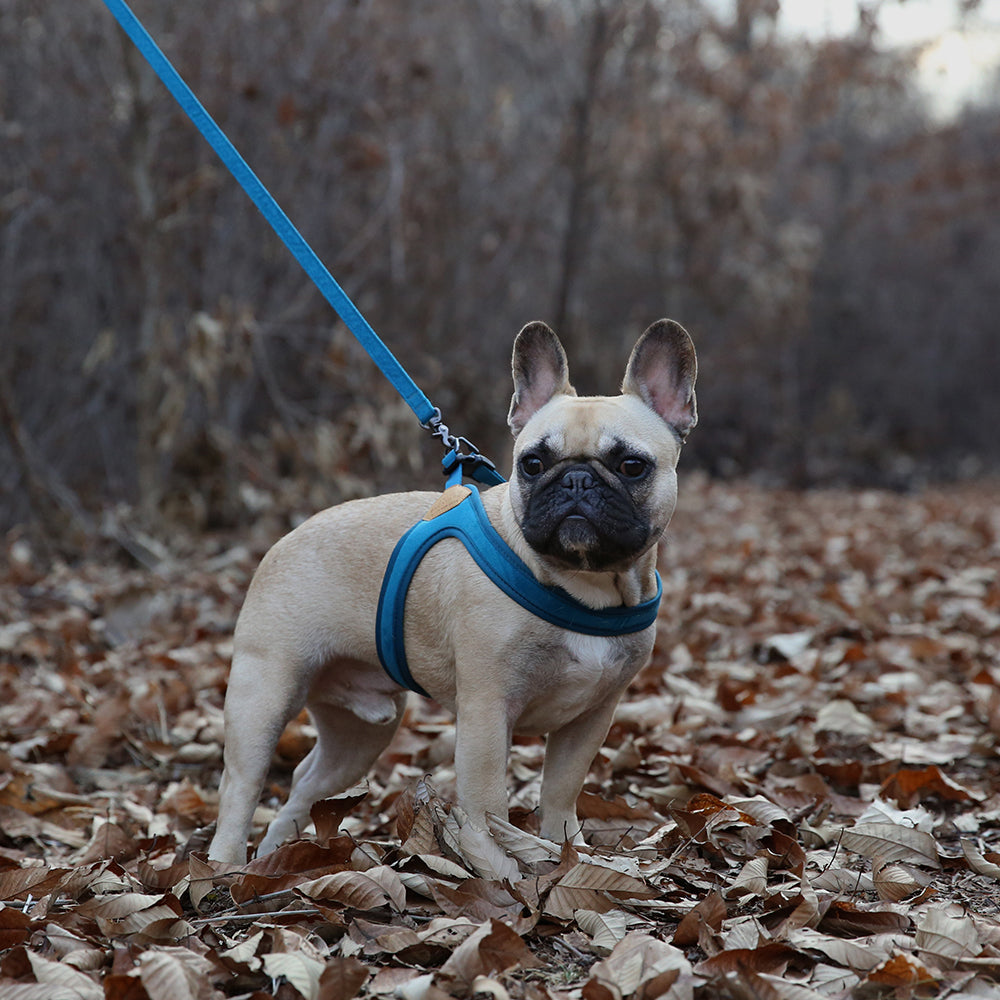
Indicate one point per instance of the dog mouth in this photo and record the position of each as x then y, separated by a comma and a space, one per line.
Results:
576, 533
579, 541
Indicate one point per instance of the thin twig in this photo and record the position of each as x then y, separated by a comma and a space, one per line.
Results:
249, 918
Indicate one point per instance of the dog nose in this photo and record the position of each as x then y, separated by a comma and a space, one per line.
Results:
578, 480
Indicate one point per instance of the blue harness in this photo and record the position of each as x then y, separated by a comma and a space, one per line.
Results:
460, 514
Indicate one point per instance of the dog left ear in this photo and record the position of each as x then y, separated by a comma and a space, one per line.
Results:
662, 371
540, 372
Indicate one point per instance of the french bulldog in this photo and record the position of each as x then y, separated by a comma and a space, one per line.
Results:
592, 488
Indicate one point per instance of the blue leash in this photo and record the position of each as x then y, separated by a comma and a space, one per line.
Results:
462, 455
459, 514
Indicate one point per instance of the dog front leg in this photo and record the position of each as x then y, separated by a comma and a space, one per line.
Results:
569, 752
482, 743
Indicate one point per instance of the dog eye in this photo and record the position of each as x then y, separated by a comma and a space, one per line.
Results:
633, 468
532, 465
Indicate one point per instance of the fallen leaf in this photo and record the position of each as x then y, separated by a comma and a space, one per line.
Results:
978, 863
946, 937
302, 971
61, 978
752, 879
493, 948
894, 882
328, 814
176, 974
342, 979
707, 913
888, 842
901, 970
605, 929
909, 786
636, 961
368, 890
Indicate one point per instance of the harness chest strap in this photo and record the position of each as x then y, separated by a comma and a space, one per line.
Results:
458, 513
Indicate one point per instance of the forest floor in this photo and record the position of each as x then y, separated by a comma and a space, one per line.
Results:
800, 796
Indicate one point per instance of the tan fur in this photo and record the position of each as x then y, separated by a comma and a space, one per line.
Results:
306, 637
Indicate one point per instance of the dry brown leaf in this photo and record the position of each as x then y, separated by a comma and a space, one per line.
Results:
242, 956
62, 978
328, 814
484, 855
894, 882
888, 842
202, 874
379, 939
850, 919
342, 979
979, 864
901, 970
861, 955
528, 849
493, 948
586, 886
301, 970
844, 718
421, 833
909, 786
586, 875
43, 991
770, 956
605, 929
708, 805
752, 879
763, 811
368, 890
636, 961
590, 806
707, 914
288, 866
176, 974
33, 880
843, 881
443, 866
563, 901
15, 927
762, 986
480, 900
947, 936
390, 982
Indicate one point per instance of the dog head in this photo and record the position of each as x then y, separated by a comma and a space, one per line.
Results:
593, 484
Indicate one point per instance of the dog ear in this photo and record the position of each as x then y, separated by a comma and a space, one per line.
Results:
540, 372
662, 372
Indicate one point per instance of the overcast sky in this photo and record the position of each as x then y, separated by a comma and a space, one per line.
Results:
960, 56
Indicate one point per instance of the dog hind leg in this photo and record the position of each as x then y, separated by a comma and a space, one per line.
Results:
254, 723
345, 750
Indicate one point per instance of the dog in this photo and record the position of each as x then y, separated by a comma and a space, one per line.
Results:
592, 489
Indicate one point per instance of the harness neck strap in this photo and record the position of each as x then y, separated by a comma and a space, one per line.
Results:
458, 513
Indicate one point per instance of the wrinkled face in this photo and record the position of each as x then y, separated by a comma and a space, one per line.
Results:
593, 484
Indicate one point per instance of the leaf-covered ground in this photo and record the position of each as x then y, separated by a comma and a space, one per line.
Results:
799, 797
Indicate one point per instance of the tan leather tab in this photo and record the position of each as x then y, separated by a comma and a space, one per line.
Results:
451, 497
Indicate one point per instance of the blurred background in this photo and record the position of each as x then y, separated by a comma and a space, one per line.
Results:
811, 188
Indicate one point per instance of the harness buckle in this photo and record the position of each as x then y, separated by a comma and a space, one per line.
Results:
462, 458
458, 465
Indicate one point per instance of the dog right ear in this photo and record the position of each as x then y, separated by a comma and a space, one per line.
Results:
540, 372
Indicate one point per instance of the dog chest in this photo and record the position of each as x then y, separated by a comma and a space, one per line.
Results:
584, 671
